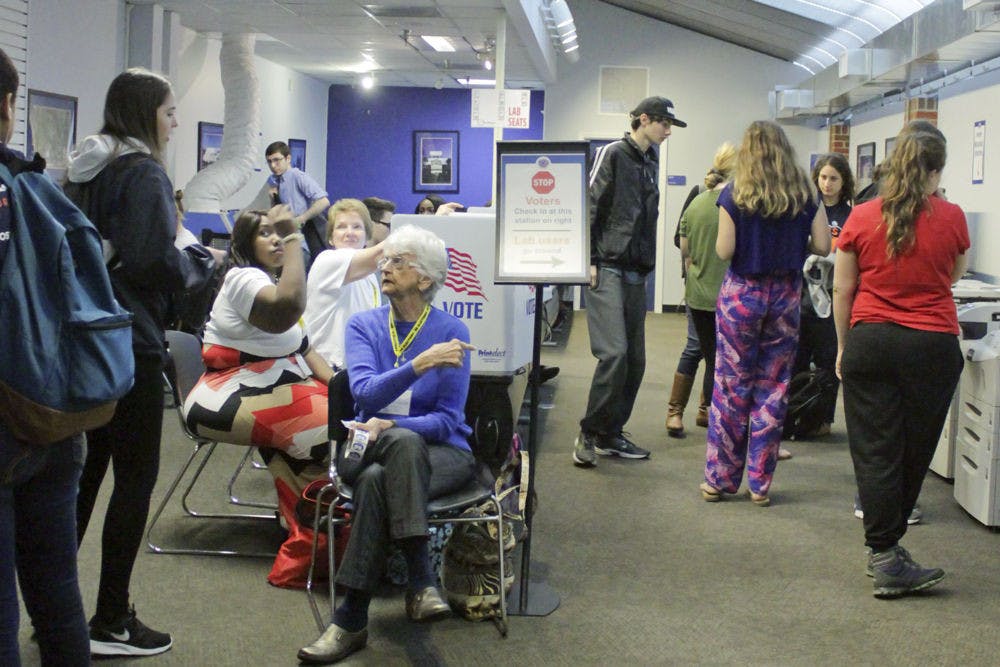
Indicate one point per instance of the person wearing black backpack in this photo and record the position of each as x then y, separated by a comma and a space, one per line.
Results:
119, 181
38, 485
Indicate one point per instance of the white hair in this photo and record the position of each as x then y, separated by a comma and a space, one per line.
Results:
428, 250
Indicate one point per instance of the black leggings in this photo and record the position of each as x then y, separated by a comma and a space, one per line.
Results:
704, 324
131, 441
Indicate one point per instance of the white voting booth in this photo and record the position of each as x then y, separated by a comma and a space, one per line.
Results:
499, 317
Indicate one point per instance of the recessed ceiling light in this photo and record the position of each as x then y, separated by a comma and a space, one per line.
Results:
477, 82
438, 43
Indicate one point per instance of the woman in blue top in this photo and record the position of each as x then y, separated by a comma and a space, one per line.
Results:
768, 220
409, 374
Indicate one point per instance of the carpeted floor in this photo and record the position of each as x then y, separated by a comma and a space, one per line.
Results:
647, 573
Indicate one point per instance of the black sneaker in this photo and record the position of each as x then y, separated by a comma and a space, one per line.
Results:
896, 574
131, 637
620, 445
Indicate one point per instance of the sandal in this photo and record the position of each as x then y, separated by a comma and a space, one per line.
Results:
759, 501
710, 494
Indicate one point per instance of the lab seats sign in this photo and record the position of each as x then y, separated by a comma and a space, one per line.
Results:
501, 108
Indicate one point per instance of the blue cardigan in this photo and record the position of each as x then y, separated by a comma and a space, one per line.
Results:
437, 404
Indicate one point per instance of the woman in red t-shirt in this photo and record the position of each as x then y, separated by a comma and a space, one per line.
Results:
898, 352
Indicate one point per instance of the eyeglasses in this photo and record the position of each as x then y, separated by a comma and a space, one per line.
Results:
393, 263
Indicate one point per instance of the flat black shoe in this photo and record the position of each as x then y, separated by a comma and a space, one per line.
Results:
333, 645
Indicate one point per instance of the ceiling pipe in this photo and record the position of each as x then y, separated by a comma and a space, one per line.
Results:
206, 191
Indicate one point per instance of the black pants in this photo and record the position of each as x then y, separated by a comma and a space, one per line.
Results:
898, 384
818, 345
704, 324
392, 484
131, 443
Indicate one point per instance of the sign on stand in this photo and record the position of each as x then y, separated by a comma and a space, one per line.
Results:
543, 232
542, 237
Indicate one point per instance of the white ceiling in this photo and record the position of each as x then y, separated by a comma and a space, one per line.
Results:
336, 40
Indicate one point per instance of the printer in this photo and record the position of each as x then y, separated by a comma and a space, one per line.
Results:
976, 319
977, 437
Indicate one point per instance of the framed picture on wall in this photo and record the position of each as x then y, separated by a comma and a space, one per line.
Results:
297, 149
621, 88
866, 163
51, 130
209, 143
435, 161
890, 143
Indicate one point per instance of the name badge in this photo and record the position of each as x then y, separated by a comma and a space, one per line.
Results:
401, 406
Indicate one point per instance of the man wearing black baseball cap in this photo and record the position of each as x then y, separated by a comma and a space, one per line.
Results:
624, 205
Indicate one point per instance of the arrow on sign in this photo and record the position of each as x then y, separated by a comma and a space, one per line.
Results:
554, 261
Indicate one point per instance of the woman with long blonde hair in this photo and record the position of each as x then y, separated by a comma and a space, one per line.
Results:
898, 352
768, 220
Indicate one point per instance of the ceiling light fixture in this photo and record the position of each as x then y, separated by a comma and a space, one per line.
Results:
468, 81
440, 44
562, 29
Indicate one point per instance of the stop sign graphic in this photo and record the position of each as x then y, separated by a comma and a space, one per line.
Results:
543, 182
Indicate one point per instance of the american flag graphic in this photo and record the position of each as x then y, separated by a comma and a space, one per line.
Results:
462, 274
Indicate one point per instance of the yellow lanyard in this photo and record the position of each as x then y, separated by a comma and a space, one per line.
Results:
376, 301
397, 348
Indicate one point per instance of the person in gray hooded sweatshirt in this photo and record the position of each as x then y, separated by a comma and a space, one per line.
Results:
118, 179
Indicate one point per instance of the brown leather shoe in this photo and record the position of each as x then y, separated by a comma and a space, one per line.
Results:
425, 605
333, 645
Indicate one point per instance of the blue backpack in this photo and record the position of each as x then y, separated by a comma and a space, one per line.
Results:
66, 352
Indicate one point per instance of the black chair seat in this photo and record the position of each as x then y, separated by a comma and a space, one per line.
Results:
475, 492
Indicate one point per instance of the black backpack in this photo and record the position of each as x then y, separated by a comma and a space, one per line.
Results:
809, 396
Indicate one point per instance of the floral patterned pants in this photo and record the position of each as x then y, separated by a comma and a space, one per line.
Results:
757, 330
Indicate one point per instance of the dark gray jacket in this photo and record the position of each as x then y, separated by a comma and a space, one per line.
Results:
131, 202
624, 202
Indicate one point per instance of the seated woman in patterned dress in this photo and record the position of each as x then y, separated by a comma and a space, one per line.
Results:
265, 386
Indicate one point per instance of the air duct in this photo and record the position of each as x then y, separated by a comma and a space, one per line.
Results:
206, 191
932, 45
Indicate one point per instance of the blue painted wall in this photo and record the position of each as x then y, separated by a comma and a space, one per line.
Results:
370, 140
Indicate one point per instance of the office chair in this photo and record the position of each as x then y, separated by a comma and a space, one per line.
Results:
447, 509
187, 367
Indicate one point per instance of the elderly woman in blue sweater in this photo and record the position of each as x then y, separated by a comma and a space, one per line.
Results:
409, 374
